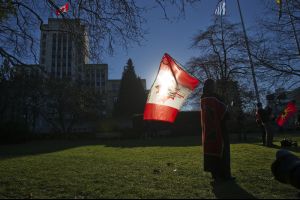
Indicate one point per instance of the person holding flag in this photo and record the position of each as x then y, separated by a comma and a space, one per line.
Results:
260, 119
215, 138
269, 126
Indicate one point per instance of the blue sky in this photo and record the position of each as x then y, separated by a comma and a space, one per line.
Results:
175, 38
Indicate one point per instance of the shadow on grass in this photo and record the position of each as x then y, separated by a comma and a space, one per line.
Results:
230, 190
50, 146
40, 147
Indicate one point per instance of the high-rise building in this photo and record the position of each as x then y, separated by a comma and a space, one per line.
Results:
62, 48
64, 54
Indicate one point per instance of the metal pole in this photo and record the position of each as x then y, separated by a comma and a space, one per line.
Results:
249, 54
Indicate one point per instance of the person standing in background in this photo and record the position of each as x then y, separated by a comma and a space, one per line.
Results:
259, 115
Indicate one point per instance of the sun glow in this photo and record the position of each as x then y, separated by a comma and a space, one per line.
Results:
165, 82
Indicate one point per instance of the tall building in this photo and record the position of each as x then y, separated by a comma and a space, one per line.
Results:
64, 54
62, 47
96, 76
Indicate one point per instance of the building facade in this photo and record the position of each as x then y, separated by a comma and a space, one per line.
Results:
63, 48
64, 56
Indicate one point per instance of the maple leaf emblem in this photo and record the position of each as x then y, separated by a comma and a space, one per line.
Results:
172, 93
285, 113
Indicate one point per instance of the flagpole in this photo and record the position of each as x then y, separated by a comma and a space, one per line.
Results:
224, 74
249, 53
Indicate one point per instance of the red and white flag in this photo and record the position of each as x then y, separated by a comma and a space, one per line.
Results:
288, 112
171, 88
62, 9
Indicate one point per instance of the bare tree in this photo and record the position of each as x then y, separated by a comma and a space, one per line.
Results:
67, 104
108, 23
278, 52
223, 57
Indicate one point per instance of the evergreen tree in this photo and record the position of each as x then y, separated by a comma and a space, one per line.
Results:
132, 97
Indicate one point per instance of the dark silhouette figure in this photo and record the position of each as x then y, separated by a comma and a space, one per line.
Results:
259, 120
215, 138
268, 120
286, 168
264, 119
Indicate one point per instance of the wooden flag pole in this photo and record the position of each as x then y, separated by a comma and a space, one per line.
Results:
249, 54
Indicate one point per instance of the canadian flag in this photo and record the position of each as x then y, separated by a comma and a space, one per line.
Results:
171, 88
62, 9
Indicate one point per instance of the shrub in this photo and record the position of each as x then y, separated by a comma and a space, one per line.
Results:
14, 132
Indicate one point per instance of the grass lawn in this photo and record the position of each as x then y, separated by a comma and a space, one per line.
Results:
157, 168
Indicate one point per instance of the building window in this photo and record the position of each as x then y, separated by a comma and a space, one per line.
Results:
43, 51
115, 99
53, 71
54, 37
69, 67
103, 75
64, 71
115, 87
103, 83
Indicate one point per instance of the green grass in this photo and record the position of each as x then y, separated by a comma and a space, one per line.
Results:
158, 168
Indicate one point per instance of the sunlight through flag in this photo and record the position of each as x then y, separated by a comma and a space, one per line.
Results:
221, 8
288, 112
62, 9
170, 90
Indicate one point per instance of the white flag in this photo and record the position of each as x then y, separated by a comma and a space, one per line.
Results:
170, 90
221, 8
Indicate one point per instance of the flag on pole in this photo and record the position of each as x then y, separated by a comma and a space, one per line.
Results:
288, 112
171, 88
221, 8
279, 2
62, 9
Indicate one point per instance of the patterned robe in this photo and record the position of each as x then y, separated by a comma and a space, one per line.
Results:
215, 139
